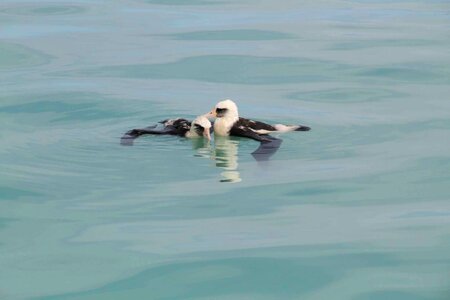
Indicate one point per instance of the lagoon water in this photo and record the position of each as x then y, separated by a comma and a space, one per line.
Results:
358, 208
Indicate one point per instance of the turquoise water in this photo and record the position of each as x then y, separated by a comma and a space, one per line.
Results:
358, 208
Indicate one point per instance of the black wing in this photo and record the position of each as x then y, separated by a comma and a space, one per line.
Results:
172, 127
243, 131
128, 138
255, 125
181, 126
176, 126
303, 128
175, 122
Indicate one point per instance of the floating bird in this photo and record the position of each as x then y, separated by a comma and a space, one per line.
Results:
228, 123
199, 127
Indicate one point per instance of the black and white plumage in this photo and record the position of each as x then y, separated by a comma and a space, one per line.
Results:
228, 123
199, 127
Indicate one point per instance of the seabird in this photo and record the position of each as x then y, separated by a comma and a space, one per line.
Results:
228, 123
199, 127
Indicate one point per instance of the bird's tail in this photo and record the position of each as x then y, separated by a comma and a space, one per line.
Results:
286, 128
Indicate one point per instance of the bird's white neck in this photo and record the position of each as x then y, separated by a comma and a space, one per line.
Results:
223, 125
191, 133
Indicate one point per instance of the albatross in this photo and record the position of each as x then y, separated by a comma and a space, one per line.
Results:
228, 123
199, 127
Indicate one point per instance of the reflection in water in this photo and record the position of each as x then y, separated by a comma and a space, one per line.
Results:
266, 150
203, 147
224, 152
226, 157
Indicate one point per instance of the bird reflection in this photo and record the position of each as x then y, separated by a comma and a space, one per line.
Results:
266, 150
225, 153
202, 146
226, 157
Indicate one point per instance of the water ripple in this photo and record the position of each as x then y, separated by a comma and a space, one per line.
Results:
43, 10
231, 35
14, 56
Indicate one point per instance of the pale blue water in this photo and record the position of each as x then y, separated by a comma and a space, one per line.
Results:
358, 208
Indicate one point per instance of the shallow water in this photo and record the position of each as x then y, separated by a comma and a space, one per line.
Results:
358, 208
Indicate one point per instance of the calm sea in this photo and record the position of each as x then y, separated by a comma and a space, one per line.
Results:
358, 208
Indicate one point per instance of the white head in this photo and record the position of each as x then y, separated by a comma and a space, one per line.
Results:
225, 109
201, 126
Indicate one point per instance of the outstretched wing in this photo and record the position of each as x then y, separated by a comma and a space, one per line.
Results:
128, 138
239, 130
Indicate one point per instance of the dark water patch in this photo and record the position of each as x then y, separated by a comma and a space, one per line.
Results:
319, 190
13, 56
347, 95
231, 35
238, 69
410, 73
8, 193
69, 106
43, 10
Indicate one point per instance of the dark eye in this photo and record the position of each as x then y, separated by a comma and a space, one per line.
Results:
221, 110
199, 129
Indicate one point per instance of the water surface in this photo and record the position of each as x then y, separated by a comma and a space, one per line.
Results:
358, 208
